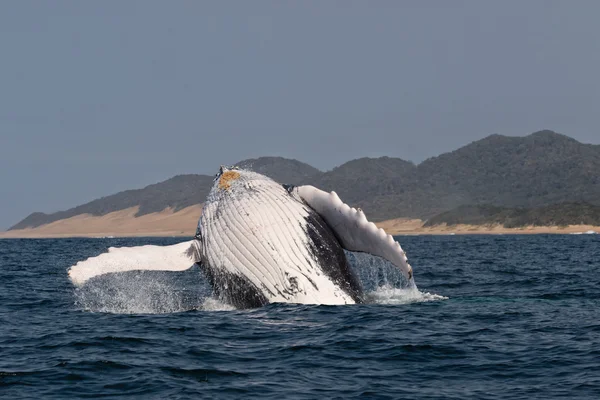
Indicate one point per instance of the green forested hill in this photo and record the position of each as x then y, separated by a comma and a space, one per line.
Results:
541, 169
562, 214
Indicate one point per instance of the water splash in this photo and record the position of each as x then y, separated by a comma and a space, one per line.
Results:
384, 283
160, 292
213, 304
143, 292
375, 272
392, 295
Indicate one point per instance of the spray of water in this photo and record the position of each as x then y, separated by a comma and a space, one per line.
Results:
212, 304
383, 283
392, 295
156, 292
144, 292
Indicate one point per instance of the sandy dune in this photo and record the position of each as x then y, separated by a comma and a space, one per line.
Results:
118, 223
183, 223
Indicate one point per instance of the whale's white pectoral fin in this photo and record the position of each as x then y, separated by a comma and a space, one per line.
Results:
353, 229
177, 257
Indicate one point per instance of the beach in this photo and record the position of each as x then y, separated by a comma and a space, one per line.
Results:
121, 223
168, 222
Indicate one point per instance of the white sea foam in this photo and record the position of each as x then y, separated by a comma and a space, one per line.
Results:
157, 298
212, 304
585, 233
392, 295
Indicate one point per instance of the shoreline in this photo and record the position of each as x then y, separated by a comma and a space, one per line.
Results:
124, 224
402, 226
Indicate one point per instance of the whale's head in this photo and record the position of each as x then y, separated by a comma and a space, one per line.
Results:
239, 189
235, 182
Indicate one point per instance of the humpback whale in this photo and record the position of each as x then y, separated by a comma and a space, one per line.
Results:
260, 242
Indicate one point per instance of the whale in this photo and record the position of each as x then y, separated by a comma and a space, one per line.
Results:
258, 241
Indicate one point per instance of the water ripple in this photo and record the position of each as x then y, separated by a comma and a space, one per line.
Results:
494, 317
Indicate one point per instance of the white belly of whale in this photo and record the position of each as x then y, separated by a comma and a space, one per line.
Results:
262, 236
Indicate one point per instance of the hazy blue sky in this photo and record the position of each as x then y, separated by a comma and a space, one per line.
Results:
98, 97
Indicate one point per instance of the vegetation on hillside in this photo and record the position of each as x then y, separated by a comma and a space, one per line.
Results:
541, 169
553, 215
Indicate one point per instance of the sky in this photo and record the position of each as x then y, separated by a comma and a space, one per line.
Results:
100, 97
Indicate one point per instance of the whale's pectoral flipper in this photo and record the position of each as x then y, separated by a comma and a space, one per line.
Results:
352, 228
177, 257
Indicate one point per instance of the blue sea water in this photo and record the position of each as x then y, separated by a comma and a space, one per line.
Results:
497, 317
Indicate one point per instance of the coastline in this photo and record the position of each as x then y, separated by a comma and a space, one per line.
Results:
121, 223
182, 223
462, 229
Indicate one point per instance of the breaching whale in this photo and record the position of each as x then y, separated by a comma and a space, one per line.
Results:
260, 242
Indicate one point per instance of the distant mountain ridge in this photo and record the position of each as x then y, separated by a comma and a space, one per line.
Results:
177, 193
281, 169
537, 170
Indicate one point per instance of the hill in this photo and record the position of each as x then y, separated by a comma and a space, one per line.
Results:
281, 169
541, 169
384, 187
176, 193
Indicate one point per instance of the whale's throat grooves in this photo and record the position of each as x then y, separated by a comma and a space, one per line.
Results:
260, 244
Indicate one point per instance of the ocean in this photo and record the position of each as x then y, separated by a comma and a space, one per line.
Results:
494, 317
